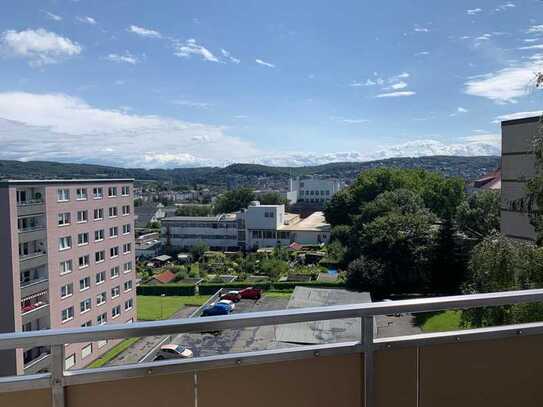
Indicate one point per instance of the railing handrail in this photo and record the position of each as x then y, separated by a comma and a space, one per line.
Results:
154, 328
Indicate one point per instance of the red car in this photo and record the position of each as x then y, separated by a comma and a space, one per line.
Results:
251, 293
233, 296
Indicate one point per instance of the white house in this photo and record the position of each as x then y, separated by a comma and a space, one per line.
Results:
312, 190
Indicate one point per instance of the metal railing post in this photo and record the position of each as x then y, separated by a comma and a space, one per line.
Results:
57, 375
369, 372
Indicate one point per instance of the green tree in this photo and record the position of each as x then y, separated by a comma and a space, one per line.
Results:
479, 215
272, 198
193, 210
198, 249
235, 200
366, 274
273, 268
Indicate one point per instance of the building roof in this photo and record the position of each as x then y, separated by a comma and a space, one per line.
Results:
222, 218
316, 222
10, 182
164, 277
163, 257
522, 120
491, 181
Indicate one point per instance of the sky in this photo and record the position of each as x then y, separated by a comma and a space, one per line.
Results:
175, 83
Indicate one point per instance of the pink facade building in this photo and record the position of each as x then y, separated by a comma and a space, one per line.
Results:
67, 260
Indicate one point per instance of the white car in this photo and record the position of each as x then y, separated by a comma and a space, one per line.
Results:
173, 351
229, 303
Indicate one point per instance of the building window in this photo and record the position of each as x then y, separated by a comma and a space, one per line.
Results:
86, 351
84, 284
84, 261
114, 252
101, 320
98, 193
125, 191
64, 218
127, 248
86, 324
126, 229
81, 194
126, 210
127, 267
113, 211
65, 243
69, 362
101, 298
65, 267
85, 305
100, 277
100, 256
128, 304
82, 239
127, 285
67, 314
99, 235
82, 216
114, 272
113, 231
63, 195
115, 311
112, 192
66, 290
99, 214
115, 292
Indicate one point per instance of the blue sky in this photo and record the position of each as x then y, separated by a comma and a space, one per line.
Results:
179, 83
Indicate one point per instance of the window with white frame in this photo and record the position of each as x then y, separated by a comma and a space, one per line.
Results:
101, 319
66, 290
65, 243
86, 324
127, 248
84, 261
99, 235
64, 218
114, 272
98, 214
83, 239
85, 305
115, 292
100, 256
98, 192
126, 229
81, 194
125, 191
69, 362
65, 267
112, 192
63, 195
113, 211
113, 231
114, 252
100, 277
115, 311
101, 298
128, 304
82, 216
84, 284
128, 285
126, 210
67, 314
86, 351
127, 267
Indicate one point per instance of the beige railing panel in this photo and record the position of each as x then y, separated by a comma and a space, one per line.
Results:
324, 381
497, 373
30, 398
396, 378
153, 391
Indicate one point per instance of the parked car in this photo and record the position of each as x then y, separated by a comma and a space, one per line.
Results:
216, 309
173, 351
228, 303
251, 293
234, 296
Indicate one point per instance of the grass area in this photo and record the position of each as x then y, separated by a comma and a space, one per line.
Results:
113, 352
278, 293
153, 308
195, 267
195, 300
439, 321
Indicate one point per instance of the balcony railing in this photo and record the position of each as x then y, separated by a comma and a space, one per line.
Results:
498, 366
29, 202
33, 307
32, 255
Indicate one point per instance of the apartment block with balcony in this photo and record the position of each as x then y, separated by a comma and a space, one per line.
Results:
67, 261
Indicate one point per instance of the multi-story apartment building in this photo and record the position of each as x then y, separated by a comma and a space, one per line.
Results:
66, 261
518, 166
312, 190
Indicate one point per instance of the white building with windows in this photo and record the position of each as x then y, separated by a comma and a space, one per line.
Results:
312, 190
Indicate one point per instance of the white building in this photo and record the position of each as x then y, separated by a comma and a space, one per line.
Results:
312, 190
252, 228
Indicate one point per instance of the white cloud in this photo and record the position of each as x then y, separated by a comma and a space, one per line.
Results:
535, 29
229, 56
461, 110
39, 46
368, 82
484, 37
348, 121
260, 62
505, 6
421, 53
396, 94
86, 20
144, 32
60, 127
490, 138
191, 47
517, 115
52, 16
399, 85
505, 85
127, 57
421, 29
395, 78
473, 11
537, 46
190, 103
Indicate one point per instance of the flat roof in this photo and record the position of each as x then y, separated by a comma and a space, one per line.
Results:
10, 182
533, 119
315, 222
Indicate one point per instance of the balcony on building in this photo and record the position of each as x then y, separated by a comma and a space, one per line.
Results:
32, 248
35, 310
30, 200
33, 280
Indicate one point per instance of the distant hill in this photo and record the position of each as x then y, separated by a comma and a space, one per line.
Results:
246, 174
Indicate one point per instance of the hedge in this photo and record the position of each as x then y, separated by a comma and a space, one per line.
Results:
166, 289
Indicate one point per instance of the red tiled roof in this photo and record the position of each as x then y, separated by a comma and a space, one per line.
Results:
165, 277
295, 246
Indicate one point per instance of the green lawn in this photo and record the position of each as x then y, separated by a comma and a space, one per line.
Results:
153, 308
440, 321
195, 300
113, 352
